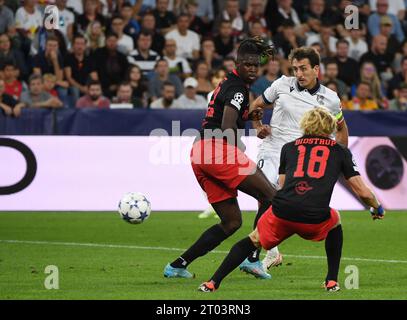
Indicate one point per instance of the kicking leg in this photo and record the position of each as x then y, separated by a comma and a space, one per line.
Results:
231, 220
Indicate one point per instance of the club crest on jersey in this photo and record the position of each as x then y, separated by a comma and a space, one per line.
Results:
320, 99
302, 187
291, 89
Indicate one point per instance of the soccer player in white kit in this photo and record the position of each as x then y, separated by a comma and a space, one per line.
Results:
290, 98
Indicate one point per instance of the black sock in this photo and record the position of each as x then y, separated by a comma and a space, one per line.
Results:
255, 255
333, 248
208, 241
235, 257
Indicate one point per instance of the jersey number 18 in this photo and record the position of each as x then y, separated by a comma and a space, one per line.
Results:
319, 155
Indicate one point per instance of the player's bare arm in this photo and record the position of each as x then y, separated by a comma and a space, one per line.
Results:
365, 194
256, 114
281, 180
342, 135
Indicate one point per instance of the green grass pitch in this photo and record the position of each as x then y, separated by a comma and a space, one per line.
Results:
99, 256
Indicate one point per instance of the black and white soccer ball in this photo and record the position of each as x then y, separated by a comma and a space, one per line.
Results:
134, 208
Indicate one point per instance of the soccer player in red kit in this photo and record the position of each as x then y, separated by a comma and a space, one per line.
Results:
218, 159
309, 169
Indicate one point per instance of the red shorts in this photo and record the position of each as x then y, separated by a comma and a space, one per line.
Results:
273, 230
219, 168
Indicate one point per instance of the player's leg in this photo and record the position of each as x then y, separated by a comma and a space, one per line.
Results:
269, 166
231, 220
333, 249
234, 258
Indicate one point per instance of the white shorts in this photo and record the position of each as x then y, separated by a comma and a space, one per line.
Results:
269, 163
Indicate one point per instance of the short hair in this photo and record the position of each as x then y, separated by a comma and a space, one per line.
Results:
52, 37
145, 33
183, 15
168, 84
305, 53
125, 84
343, 41
93, 82
318, 121
116, 16
112, 34
126, 4
34, 77
330, 61
79, 36
49, 76
160, 60
8, 63
364, 83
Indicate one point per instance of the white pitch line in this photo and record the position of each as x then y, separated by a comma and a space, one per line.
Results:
122, 246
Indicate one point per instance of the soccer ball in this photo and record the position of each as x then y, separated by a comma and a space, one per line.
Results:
134, 208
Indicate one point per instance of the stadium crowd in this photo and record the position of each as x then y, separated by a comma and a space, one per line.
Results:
172, 53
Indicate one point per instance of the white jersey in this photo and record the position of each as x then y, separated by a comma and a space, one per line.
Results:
290, 103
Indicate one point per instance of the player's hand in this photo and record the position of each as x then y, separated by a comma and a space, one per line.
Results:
256, 115
263, 131
377, 214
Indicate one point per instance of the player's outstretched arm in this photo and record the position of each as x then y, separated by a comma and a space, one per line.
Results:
359, 187
256, 114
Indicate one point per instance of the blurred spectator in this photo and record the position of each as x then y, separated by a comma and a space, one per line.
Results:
205, 11
325, 38
257, 30
125, 96
317, 15
368, 74
331, 75
95, 36
396, 7
49, 84
398, 79
334, 87
229, 64
125, 43
286, 40
399, 57
362, 100
75, 6
7, 53
143, 56
196, 24
78, 67
13, 86
231, 13
209, 55
379, 56
110, 65
393, 45
90, 14
28, 18
189, 99
278, 12
37, 97
218, 76
168, 98
6, 17
263, 82
8, 104
162, 75
399, 103
255, 13
203, 77
50, 61
177, 65
357, 45
94, 97
188, 42
345, 63
66, 20
224, 41
148, 23
140, 90
165, 20
374, 21
131, 25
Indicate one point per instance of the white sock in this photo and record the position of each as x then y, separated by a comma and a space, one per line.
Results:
273, 251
